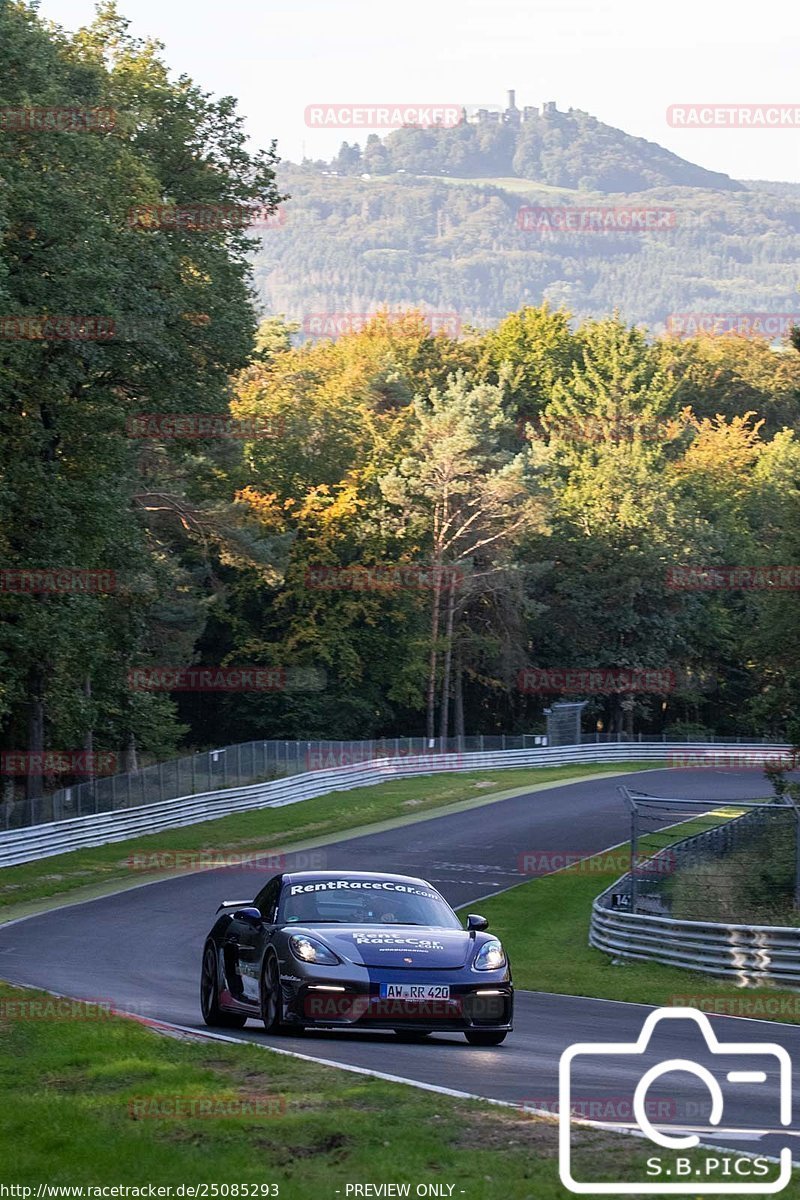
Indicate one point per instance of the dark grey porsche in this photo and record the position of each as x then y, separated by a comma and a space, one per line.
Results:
355, 950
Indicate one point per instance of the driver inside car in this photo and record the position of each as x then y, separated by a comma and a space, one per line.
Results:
302, 908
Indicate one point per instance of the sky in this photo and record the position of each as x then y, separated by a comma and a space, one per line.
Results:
624, 61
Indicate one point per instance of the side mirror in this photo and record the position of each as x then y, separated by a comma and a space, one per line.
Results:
475, 923
248, 916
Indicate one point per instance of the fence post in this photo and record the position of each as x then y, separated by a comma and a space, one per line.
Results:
634, 856
628, 798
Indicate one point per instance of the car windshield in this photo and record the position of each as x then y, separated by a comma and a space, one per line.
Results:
364, 902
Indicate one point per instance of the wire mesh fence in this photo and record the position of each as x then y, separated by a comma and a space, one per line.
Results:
228, 767
263, 760
737, 861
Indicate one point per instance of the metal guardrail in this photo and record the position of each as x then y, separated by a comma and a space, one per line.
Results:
99, 829
747, 953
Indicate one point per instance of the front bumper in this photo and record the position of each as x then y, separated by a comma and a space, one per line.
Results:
357, 1003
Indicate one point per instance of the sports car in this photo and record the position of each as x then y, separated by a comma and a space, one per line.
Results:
355, 950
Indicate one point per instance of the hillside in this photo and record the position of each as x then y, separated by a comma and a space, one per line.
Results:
566, 149
455, 246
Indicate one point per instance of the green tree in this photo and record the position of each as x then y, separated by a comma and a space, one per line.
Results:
464, 499
530, 350
180, 320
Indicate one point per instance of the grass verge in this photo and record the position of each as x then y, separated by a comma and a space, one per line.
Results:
270, 829
510, 183
107, 1102
545, 926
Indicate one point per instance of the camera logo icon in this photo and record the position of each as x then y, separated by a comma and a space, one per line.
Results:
689, 1176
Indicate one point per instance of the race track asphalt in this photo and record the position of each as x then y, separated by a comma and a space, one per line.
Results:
141, 949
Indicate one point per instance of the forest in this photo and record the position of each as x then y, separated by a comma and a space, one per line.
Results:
463, 247
395, 528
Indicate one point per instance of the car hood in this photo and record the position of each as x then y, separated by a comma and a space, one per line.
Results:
399, 947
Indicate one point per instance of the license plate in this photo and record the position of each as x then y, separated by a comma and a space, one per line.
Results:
415, 991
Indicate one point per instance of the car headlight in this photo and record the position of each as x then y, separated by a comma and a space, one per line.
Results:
490, 957
309, 950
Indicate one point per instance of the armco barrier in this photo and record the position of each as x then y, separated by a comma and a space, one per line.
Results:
99, 829
746, 953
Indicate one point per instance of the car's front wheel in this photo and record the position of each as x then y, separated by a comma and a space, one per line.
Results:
484, 1038
270, 995
209, 994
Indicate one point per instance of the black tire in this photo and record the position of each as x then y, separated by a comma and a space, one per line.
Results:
484, 1038
209, 994
270, 996
413, 1035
